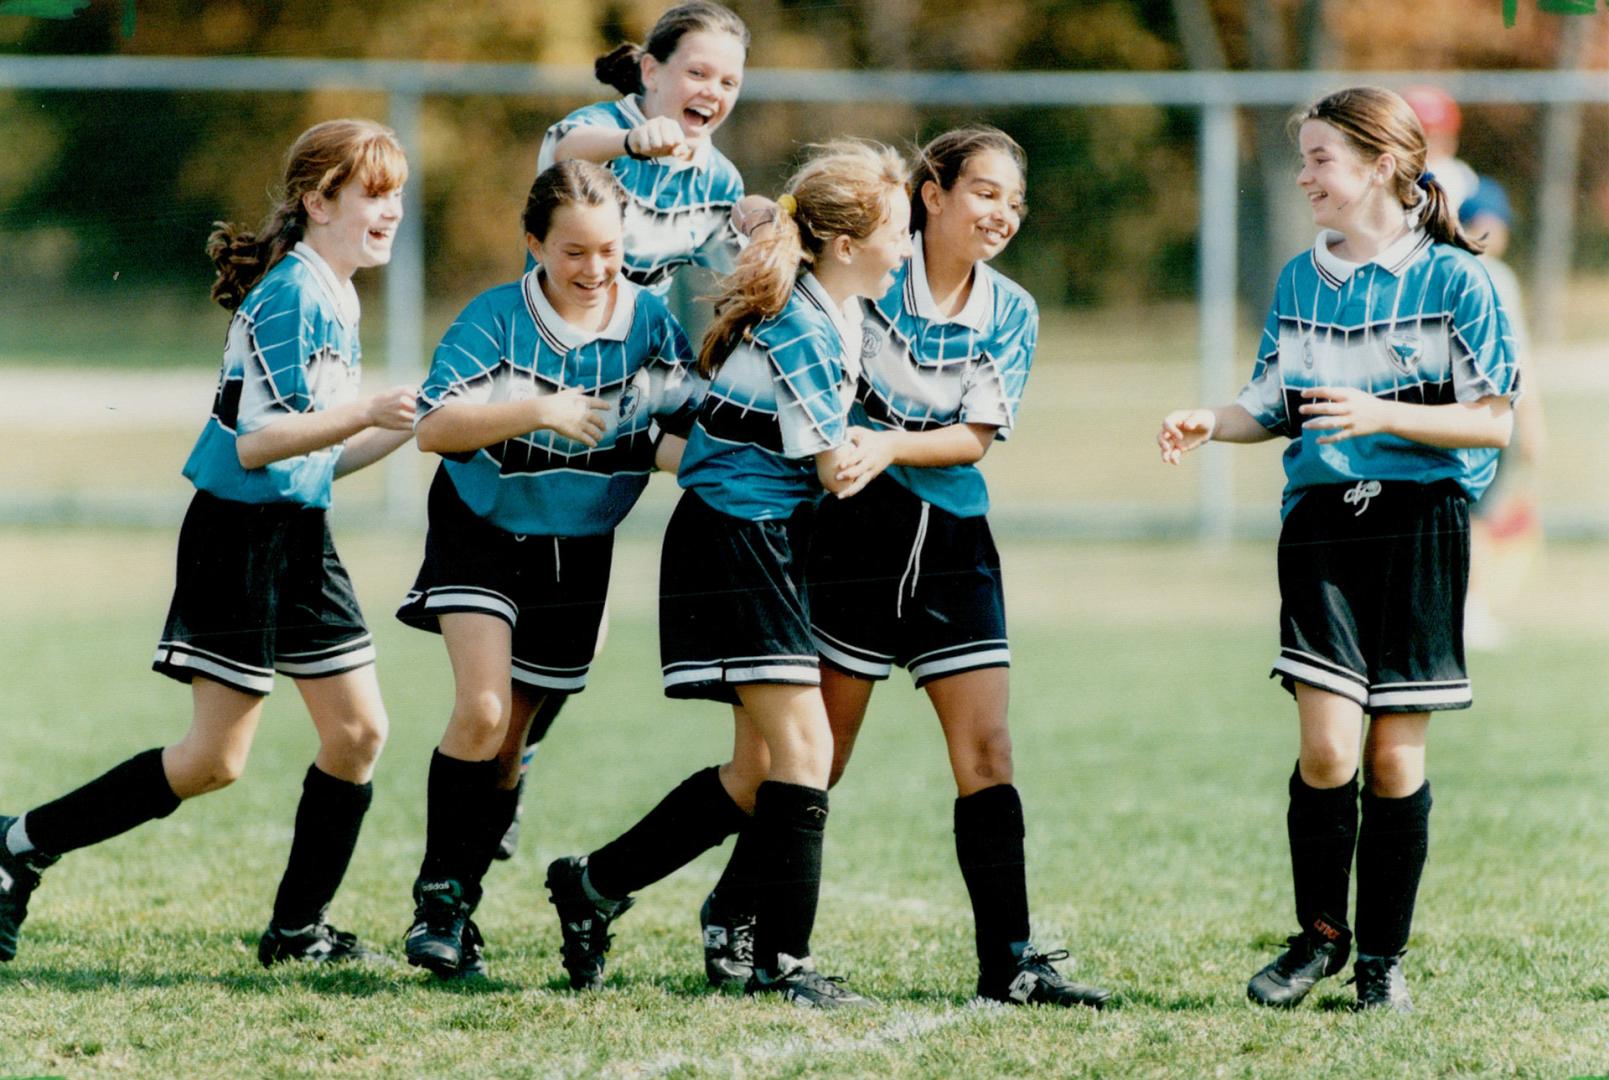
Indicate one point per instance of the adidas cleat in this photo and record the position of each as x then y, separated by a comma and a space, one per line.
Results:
583, 922
1037, 982
1381, 984
434, 941
318, 943
19, 876
799, 983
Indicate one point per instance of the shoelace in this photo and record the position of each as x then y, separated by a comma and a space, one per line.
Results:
740, 940
1040, 963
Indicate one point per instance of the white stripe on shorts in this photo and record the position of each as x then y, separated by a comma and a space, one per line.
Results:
1442, 693
549, 678
983, 658
853, 664
361, 653
493, 603
1321, 678
218, 668
810, 673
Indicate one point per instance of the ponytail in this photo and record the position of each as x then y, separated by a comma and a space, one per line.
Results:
621, 68
1438, 218
242, 258
758, 289
846, 189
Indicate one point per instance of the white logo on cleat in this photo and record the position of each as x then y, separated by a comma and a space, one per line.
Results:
1022, 987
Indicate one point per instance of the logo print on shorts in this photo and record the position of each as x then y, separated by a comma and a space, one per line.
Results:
1361, 493
1404, 349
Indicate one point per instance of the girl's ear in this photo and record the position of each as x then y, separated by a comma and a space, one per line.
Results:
534, 246
650, 70
1385, 169
317, 207
930, 197
842, 248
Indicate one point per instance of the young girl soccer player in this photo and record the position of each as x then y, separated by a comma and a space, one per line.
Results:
260, 588
906, 573
1386, 362
545, 398
734, 623
686, 204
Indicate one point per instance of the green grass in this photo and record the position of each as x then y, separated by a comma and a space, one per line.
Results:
1152, 755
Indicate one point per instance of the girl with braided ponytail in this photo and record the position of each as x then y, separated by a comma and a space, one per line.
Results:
734, 626
1388, 363
260, 587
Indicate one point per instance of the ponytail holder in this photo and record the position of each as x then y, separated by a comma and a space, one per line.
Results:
787, 204
1425, 179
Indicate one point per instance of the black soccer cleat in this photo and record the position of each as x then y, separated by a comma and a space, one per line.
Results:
799, 983
1381, 984
1037, 982
728, 945
1308, 957
19, 876
318, 943
435, 940
471, 953
583, 923
510, 843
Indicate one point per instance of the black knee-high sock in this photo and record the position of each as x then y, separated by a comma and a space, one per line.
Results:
697, 815
1322, 824
789, 822
458, 798
546, 713
129, 794
498, 811
327, 822
989, 835
1392, 845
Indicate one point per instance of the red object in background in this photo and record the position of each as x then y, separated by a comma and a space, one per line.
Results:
1435, 107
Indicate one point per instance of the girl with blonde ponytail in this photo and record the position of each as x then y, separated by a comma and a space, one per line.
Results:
783, 358
1388, 363
260, 587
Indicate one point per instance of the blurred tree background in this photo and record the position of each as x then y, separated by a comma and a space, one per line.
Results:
102, 185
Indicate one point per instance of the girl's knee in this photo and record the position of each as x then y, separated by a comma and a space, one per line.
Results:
480, 717
194, 772
357, 742
1328, 763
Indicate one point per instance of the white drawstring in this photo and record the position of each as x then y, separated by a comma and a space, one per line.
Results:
556, 574
913, 563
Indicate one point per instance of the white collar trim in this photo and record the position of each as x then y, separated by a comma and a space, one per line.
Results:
631, 105
841, 317
919, 297
563, 336
343, 296
1396, 257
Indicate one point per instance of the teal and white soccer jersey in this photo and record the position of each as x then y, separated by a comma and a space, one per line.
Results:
292, 348
782, 397
510, 345
679, 213
923, 370
1419, 323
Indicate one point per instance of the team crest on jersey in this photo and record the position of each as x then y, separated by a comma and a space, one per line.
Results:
631, 398
1404, 348
870, 341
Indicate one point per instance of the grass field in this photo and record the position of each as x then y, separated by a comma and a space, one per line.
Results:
1152, 755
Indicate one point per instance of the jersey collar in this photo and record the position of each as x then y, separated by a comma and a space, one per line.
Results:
1396, 258
631, 106
562, 336
342, 295
919, 298
846, 319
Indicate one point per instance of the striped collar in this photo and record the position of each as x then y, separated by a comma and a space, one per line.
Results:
919, 298
1396, 258
562, 336
631, 106
342, 295
847, 324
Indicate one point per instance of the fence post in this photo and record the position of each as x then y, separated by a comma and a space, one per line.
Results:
405, 300
1219, 192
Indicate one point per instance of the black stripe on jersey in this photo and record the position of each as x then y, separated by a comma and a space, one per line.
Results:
1419, 393
881, 411
519, 457
226, 403
731, 422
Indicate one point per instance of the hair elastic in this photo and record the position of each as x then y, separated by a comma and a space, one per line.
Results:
787, 204
1425, 179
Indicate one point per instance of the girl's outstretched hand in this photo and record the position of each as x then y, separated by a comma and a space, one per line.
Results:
574, 415
1344, 411
868, 453
1183, 430
392, 409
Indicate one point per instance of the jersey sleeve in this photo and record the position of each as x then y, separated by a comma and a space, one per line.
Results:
720, 248
808, 372
599, 115
995, 384
1264, 396
281, 341
675, 389
466, 363
1485, 363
